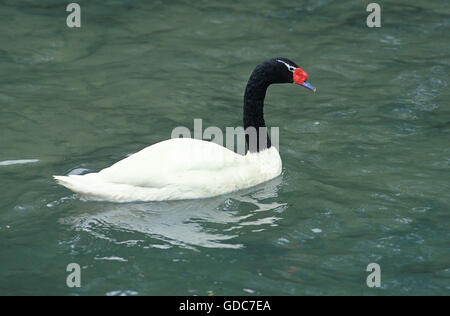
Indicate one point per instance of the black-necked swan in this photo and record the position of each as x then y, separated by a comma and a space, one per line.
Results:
186, 168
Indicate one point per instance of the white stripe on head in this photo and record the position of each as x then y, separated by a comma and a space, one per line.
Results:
289, 67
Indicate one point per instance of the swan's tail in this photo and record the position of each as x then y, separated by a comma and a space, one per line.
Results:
65, 181
93, 187
76, 183
90, 185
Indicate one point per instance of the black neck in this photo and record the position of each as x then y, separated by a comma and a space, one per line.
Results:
255, 92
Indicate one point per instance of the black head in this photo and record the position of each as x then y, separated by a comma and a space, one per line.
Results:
286, 71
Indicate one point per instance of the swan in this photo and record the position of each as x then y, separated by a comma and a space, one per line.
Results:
186, 168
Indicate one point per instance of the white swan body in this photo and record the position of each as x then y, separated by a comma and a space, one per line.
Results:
176, 169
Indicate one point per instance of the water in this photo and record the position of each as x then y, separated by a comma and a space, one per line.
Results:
365, 176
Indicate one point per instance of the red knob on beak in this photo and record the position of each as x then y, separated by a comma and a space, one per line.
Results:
301, 77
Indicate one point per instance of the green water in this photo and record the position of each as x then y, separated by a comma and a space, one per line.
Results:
366, 159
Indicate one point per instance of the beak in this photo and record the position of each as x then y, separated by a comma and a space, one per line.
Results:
301, 78
308, 85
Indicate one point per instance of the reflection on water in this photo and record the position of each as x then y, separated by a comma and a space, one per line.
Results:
211, 223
